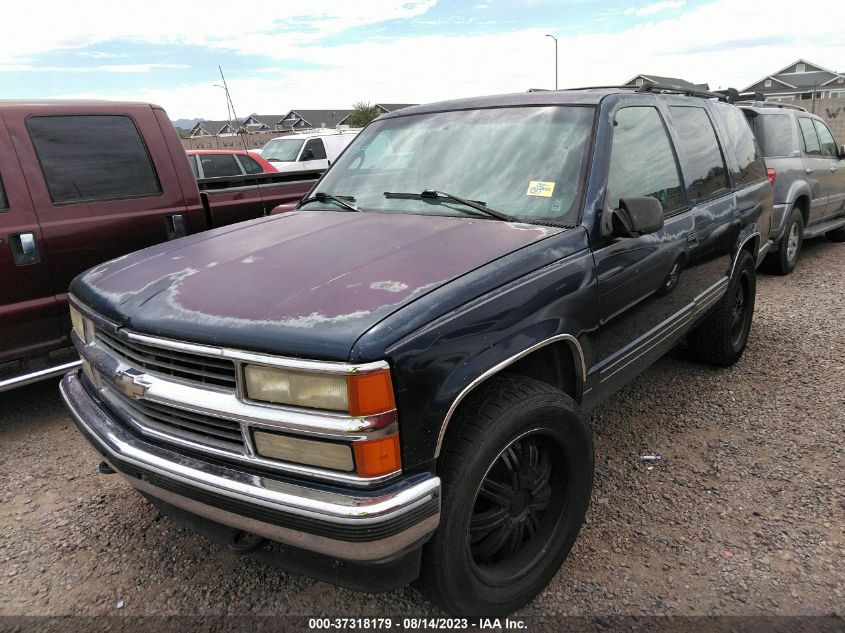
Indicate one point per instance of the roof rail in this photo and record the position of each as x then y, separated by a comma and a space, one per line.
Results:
771, 104
662, 88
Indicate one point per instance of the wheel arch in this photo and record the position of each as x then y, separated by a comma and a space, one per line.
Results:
558, 360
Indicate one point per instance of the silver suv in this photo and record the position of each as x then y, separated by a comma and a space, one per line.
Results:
807, 171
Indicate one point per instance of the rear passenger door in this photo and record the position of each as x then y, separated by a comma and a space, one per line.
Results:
100, 188
835, 174
644, 283
816, 168
28, 312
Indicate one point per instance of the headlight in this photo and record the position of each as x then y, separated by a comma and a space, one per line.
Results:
363, 394
78, 323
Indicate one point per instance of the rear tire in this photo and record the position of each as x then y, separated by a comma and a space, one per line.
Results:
785, 259
517, 474
721, 338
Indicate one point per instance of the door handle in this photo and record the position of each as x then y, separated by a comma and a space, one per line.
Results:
175, 225
809, 170
833, 169
24, 249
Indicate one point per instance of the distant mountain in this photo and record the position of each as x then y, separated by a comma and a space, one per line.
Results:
185, 123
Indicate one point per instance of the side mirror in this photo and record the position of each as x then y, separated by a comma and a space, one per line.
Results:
637, 216
308, 154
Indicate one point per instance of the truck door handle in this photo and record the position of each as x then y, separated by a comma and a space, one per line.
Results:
833, 169
24, 249
809, 170
175, 225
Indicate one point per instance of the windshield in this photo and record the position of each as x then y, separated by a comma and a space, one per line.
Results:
282, 150
527, 162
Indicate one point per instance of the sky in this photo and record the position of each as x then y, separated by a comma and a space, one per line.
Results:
312, 54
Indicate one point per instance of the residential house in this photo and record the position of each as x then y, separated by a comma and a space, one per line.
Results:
640, 80
383, 108
308, 119
263, 122
800, 80
212, 128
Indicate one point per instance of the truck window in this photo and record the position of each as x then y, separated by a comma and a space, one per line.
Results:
704, 164
316, 146
250, 165
774, 131
826, 138
219, 165
808, 134
741, 140
4, 202
192, 161
640, 139
92, 157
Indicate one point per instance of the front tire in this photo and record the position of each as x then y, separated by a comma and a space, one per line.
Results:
721, 338
517, 473
785, 259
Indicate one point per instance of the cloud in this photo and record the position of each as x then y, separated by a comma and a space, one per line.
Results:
105, 68
657, 7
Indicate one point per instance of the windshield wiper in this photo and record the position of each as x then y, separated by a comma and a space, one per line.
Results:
347, 202
434, 194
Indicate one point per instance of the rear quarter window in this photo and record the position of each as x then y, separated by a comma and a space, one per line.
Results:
219, 165
92, 157
774, 131
741, 141
704, 165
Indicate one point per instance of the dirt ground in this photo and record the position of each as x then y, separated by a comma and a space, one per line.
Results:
744, 515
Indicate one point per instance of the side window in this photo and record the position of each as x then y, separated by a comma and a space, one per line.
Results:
808, 133
776, 136
4, 201
642, 162
826, 138
250, 165
192, 161
219, 165
704, 164
316, 146
99, 157
741, 140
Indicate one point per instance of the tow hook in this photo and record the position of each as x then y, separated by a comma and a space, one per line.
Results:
245, 542
105, 469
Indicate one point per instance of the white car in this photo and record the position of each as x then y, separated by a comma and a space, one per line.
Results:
307, 151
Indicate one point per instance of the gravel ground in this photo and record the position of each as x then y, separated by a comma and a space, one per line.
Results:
745, 514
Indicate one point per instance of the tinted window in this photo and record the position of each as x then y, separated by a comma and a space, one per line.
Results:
808, 134
641, 161
826, 138
251, 165
741, 140
4, 202
92, 157
704, 165
219, 165
774, 131
316, 146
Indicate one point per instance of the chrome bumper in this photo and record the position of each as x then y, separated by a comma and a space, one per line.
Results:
355, 525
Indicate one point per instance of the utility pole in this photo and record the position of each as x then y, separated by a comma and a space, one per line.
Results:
555, 39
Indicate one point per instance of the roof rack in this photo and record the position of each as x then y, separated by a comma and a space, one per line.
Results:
664, 89
761, 103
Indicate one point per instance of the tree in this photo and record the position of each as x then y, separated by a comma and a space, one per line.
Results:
362, 113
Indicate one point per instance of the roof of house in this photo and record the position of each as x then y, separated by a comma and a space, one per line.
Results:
390, 107
317, 118
210, 127
270, 120
668, 81
790, 80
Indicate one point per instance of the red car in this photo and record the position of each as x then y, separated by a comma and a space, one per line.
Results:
225, 163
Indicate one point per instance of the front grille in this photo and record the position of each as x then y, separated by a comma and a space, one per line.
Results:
194, 368
180, 424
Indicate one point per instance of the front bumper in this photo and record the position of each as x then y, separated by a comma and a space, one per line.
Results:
362, 526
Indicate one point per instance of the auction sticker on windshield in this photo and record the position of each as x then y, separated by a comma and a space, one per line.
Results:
540, 188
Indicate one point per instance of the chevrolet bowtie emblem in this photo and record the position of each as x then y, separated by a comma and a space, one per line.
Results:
131, 383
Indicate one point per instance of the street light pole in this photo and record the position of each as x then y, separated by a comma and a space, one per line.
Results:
555, 39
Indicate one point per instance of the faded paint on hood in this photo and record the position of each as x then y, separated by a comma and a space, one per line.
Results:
307, 283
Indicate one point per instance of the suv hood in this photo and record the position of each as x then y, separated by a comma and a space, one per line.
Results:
307, 283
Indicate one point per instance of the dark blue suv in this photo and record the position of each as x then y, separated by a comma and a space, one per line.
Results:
396, 376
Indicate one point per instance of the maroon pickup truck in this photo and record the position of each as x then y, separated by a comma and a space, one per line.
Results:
83, 182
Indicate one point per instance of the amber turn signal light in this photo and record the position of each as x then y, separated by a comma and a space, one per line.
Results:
370, 393
377, 457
